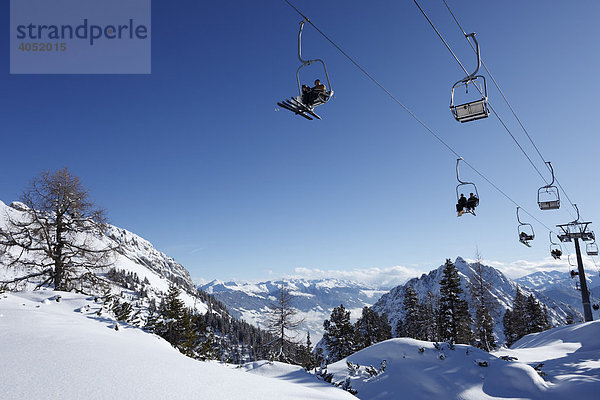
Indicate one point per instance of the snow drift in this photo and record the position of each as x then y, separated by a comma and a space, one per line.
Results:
62, 350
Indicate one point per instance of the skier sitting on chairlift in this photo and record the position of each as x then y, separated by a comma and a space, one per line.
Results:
305, 94
574, 274
556, 253
460, 206
523, 237
314, 93
472, 203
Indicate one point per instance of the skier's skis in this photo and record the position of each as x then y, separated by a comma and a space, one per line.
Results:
304, 108
294, 109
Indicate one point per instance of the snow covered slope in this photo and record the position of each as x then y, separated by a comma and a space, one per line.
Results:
559, 286
419, 370
570, 356
313, 298
62, 350
503, 291
154, 270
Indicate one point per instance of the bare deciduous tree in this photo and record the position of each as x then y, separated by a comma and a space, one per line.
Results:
56, 238
283, 319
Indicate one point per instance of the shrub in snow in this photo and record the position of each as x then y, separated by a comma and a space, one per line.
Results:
348, 387
324, 375
353, 368
538, 369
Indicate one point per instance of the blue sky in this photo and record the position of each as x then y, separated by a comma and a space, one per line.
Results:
196, 158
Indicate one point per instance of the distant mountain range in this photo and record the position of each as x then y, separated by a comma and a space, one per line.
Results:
560, 286
155, 271
313, 298
502, 288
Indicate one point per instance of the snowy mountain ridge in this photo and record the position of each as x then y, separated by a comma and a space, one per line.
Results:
502, 290
134, 255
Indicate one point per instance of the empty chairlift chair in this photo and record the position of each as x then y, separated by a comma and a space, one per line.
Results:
591, 249
548, 196
473, 109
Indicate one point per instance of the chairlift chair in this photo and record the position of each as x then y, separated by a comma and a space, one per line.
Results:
475, 109
296, 104
465, 187
572, 272
591, 249
555, 248
548, 196
525, 231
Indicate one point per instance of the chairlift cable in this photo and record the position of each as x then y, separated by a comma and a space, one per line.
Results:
481, 92
414, 116
509, 105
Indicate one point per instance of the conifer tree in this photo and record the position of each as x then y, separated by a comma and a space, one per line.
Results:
339, 334
455, 320
428, 319
519, 315
527, 316
175, 323
307, 358
400, 330
371, 328
412, 317
509, 330
480, 292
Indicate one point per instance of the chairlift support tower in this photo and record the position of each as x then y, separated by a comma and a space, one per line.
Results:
572, 232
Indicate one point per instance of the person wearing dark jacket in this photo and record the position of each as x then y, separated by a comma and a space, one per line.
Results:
472, 202
305, 94
460, 206
316, 90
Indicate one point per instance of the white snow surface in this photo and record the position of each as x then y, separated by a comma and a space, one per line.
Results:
62, 350
570, 357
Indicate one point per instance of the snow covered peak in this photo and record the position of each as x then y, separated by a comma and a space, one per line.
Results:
503, 291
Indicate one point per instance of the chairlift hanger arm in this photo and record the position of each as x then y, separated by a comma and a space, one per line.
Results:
300, 42
472, 75
519, 219
457, 173
552, 171
304, 62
